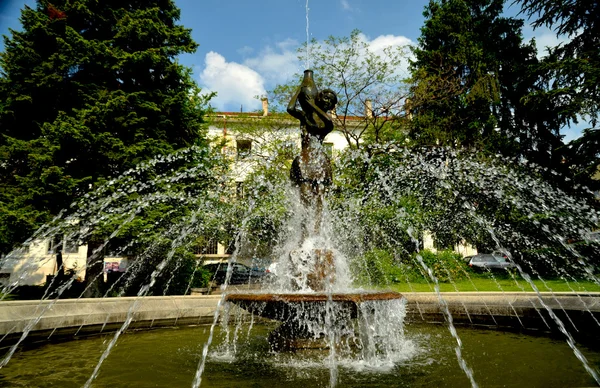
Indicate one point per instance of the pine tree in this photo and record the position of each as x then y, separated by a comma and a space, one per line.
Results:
88, 89
571, 74
471, 74
453, 89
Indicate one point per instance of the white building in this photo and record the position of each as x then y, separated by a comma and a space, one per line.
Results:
41, 261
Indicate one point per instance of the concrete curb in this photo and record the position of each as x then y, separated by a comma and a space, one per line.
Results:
73, 316
509, 310
519, 311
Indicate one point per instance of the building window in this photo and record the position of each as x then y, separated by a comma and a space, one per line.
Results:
71, 246
244, 148
210, 248
55, 244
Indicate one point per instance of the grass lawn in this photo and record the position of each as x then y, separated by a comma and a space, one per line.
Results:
482, 283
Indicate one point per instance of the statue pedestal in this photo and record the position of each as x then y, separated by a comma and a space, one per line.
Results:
320, 265
308, 318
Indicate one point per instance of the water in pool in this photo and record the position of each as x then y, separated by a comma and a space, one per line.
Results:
169, 358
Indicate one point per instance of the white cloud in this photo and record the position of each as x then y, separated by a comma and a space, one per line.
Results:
245, 51
238, 83
345, 5
382, 42
276, 64
234, 83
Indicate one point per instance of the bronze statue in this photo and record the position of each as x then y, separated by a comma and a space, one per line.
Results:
311, 171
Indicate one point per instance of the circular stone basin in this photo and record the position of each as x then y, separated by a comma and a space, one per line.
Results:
286, 306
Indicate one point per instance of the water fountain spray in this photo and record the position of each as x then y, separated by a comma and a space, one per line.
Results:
313, 312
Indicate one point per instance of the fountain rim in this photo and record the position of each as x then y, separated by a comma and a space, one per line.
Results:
295, 297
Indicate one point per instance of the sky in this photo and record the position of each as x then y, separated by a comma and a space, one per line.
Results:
247, 47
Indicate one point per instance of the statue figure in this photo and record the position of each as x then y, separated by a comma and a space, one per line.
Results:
311, 170
311, 173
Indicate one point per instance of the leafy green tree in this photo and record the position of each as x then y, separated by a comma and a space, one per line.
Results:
453, 83
584, 158
573, 67
471, 74
88, 89
368, 83
570, 73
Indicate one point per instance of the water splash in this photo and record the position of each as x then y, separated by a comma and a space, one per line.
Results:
371, 208
307, 39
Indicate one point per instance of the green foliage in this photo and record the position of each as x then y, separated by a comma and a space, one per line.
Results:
472, 76
360, 190
570, 74
378, 267
181, 273
360, 75
256, 206
572, 69
88, 90
584, 158
454, 85
392, 198
447, 266
262, 210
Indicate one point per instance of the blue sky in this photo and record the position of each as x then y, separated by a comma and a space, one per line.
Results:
249, 46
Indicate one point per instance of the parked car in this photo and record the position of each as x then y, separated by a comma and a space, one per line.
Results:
240, 273
490, 261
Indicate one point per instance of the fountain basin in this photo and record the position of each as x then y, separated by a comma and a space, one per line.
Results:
285, 306
319, 320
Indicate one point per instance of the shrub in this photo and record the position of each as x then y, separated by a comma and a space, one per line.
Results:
445, 265
379, 267
181, 273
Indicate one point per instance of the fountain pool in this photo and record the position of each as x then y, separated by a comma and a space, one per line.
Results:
169, 357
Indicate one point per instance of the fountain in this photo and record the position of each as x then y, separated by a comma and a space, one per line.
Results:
314, 312
326, 319
323, 320
323, 240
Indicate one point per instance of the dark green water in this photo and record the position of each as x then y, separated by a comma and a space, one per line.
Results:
169, 358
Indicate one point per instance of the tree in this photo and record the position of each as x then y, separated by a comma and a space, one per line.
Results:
368, 83
88, 90
571, 72
584, 158
471, 74
573, 67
